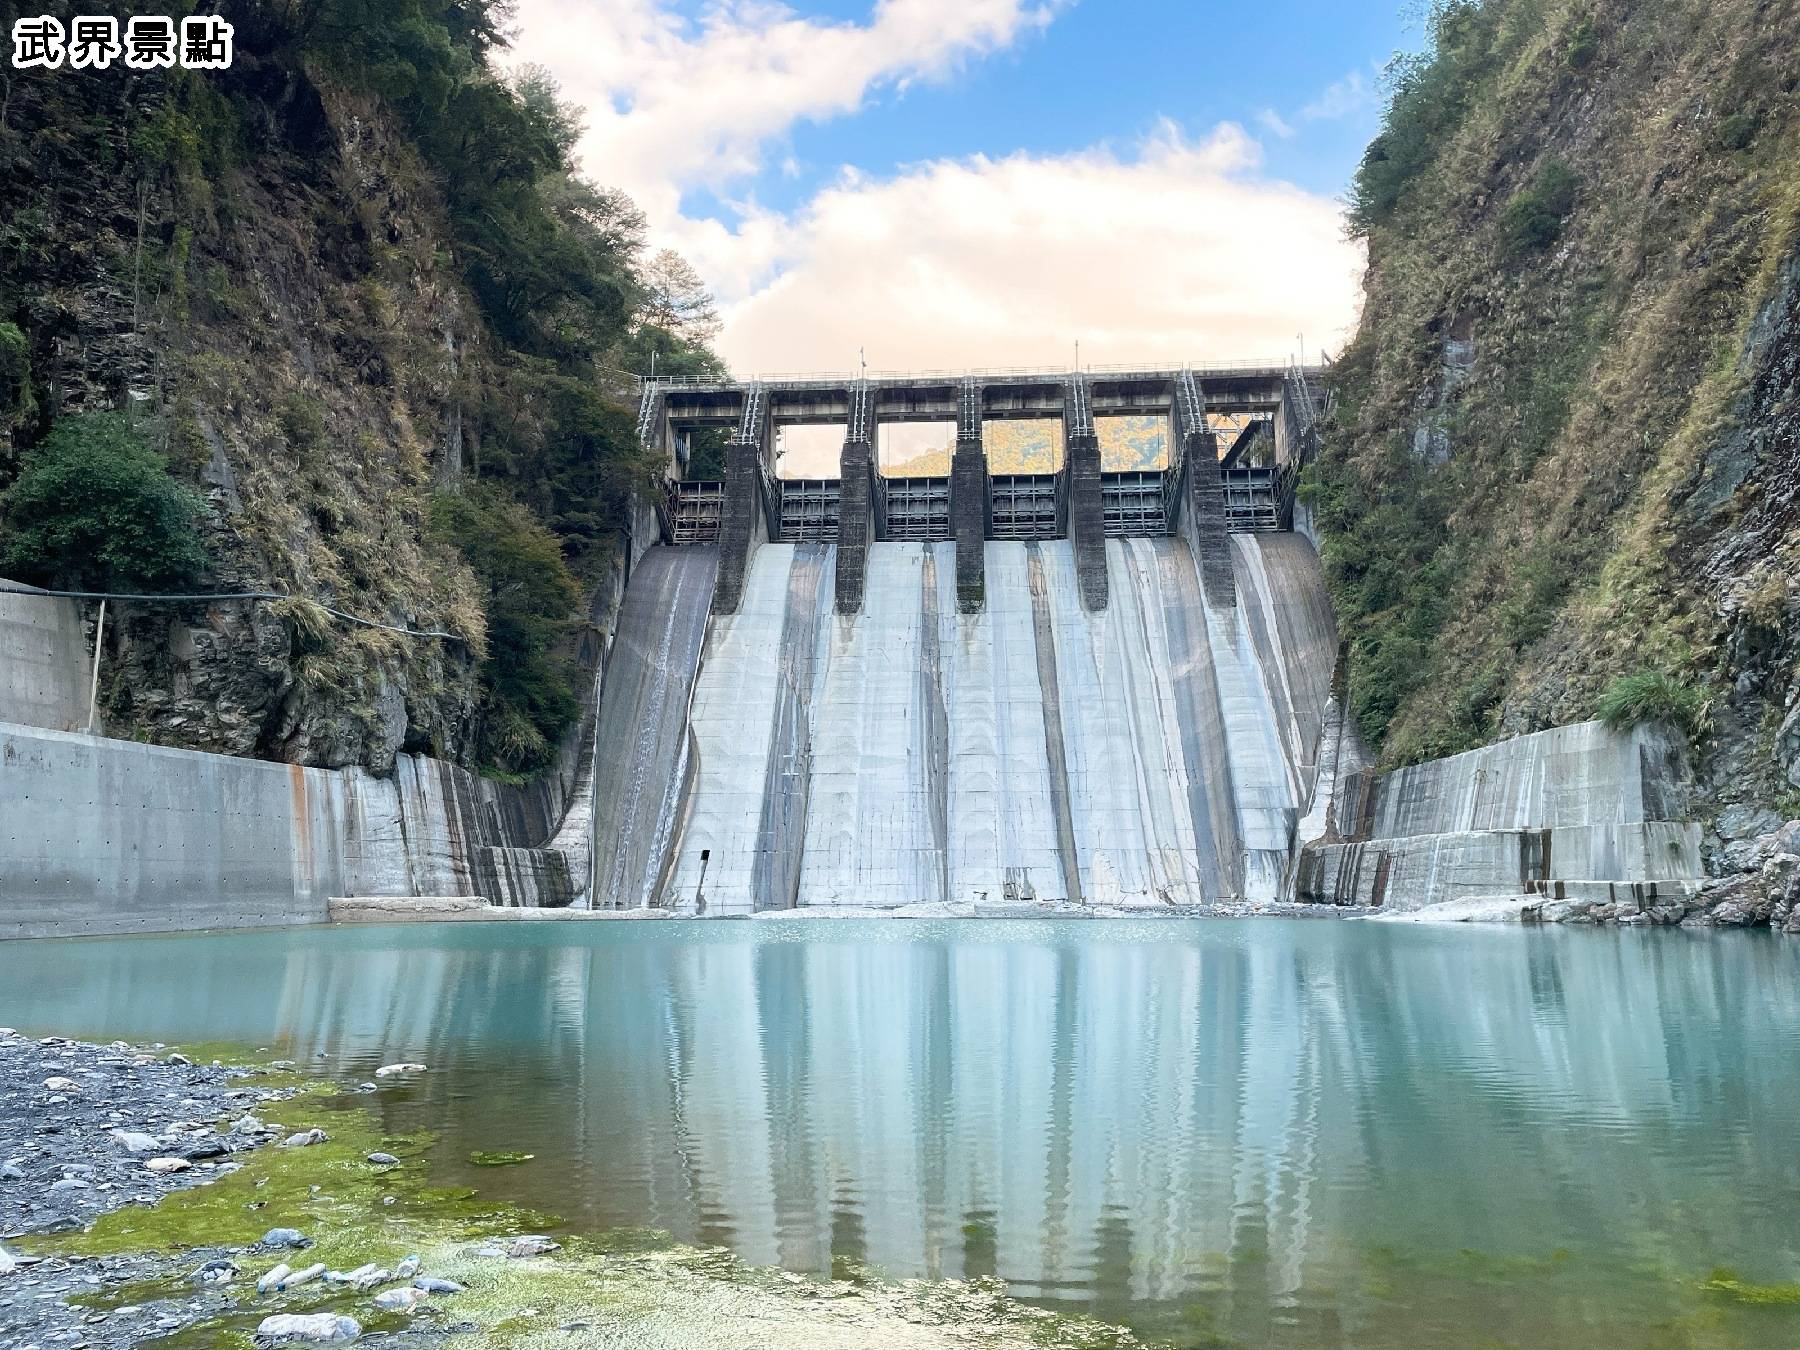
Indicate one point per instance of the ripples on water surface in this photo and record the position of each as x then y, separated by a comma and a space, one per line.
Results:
1265, 1132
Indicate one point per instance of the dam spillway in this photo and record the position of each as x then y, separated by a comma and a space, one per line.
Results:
1158, 752
641, 743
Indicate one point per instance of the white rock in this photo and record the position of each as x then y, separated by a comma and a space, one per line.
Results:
165, 1165
7, 1263
61, 1085
305, 1137
370, 1277
247, 1125
389, 1070
307, 1276
531, 1244
318, 1327
136, 1141
271, 1279
399, 1300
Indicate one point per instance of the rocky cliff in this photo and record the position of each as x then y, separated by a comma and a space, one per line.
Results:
288, 333
1566, 447
354, 293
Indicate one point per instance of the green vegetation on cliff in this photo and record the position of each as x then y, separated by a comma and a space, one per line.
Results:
354, 273
1564, 444
94, 508
530, 596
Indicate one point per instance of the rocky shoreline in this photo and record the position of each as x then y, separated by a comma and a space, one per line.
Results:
315, 1236
88, 1129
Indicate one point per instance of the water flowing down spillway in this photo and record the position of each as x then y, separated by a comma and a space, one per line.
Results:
1157, 752
642, 740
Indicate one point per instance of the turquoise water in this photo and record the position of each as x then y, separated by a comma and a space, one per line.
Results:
1261, 1132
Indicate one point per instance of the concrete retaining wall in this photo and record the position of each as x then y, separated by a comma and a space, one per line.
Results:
1408, 874
1574, 775
1576, 803
105, 836
44, 673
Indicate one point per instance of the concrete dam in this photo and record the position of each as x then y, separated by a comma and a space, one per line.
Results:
1092, 686
1103, 678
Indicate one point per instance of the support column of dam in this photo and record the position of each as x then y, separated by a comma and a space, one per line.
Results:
969, 501
1203, 507
856, 494
1087, 514
744, 521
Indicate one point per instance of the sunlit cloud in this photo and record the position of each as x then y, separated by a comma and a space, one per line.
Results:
1177, 248
1178, 251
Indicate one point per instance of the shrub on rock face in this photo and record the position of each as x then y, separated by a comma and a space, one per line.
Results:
1534, 218
1651, 697
94, 508
528, 689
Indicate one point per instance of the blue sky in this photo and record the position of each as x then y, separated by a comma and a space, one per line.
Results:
1111, 70
984, 181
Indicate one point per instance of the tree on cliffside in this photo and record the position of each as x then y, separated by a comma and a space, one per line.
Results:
95, 509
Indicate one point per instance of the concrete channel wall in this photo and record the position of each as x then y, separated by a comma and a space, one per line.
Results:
44, 661
1576, 803
107, 836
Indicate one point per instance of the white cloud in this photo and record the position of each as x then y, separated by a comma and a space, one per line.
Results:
673, 103
1177, 252
1275, 124
1341, 98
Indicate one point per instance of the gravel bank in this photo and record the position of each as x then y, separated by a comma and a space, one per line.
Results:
85, 1129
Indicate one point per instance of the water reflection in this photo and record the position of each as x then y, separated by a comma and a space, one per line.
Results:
1289, 1133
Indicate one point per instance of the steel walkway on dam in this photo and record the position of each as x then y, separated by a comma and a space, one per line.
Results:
1157, 752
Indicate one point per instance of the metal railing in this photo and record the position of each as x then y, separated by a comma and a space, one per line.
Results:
750, 425
845, 379
1080, 410
968, 410
646, 414
862, 413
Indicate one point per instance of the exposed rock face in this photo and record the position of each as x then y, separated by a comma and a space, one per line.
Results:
1572, 454
1787, 747
294, 340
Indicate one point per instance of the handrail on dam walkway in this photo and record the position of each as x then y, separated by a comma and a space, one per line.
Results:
982, 373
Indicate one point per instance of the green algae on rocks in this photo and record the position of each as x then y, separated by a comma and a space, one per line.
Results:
634, 1287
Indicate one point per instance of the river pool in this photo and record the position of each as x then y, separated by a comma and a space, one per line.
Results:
1262, 1132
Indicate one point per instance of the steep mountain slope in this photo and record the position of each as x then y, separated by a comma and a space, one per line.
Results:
1567, 443
354, 293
